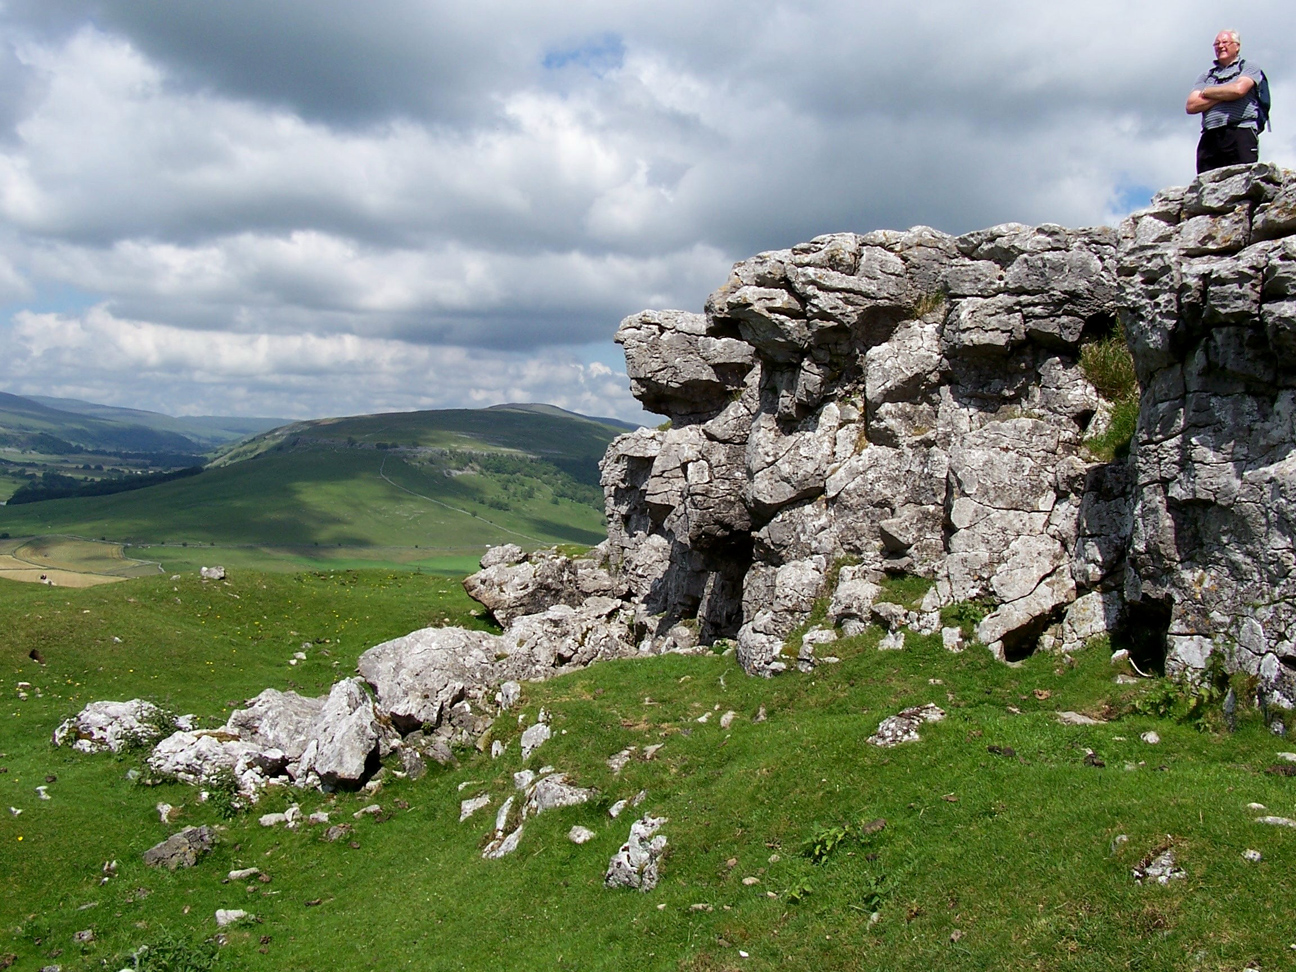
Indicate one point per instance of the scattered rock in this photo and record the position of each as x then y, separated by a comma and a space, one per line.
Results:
1289, 757
212, 573
614, 811
272, 819
337, 832
903, 727
468, 807
617, 762
952, 639
760, 715
182, 849
1159, 867
1150, 737
1277, 821
635, 865
750, 880
231, 916
727, 719
580, 835
1254, 856
372, 810
533, 737
553, 792
243, 873
84, 937
1068, 718
1281, 769
892, 641
167, 813
651, 751
318, 817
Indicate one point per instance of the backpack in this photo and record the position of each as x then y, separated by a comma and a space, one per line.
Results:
1263, 102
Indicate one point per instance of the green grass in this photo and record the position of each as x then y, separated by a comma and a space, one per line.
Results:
1015, 854
1109, 366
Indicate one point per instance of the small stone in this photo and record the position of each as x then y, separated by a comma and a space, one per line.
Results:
40, 792
1254, 856
580, 835
617, 762
749, 881
1150, 737
84, 937
497, 749
614, 811
229, 916
318, 817
651, 751
272, 819
705, 716
903, 727
952, 639
523, 779
337, 832
370, 811
243, 873
760, 715
1277, 821
1288, 757
727, 719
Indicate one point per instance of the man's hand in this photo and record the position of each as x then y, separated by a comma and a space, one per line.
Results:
1207, 98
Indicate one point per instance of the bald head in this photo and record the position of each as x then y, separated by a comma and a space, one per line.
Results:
1228, 43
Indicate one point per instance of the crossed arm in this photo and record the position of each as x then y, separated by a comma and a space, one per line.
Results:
1206, 98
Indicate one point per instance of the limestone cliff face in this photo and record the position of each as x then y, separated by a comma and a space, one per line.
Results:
1208, 298
913, 403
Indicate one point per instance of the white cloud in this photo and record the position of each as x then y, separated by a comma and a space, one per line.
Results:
246, 192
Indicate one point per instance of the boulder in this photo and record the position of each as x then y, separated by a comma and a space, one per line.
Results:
419, 676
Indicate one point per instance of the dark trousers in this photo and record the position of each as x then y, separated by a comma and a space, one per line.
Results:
1227, 146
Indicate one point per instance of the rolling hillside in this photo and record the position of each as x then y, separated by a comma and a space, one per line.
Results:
432, 489
205, 431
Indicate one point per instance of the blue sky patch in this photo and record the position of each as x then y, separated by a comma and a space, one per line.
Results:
597, 55
1130, 198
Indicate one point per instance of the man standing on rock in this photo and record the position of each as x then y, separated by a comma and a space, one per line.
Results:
1226, 98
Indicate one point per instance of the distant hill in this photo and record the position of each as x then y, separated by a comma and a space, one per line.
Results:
574, 443
433, 487
29, 424
207, 431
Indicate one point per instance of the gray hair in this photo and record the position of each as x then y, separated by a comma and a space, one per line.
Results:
1237, 38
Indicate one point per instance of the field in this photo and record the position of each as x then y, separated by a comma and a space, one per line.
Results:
69, 561
1009, 837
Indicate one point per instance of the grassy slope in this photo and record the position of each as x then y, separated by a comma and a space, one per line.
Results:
330, 497
1016, 854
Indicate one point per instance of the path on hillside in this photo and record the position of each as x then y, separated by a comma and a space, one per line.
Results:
382, 471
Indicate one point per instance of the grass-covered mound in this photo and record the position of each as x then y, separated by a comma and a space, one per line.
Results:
988, 859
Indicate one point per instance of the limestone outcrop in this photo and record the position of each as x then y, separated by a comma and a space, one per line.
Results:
862, 406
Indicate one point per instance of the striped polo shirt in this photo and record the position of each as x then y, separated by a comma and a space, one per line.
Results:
1237, 114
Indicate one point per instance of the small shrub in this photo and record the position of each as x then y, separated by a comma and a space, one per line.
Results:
223, 795
171, 953
930, 302
966, 615
1109, 366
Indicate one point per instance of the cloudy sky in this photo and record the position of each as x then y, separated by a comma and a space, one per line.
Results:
317, 207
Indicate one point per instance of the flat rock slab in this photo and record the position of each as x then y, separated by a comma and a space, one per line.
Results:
182, 849
903, 726
1078, 719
